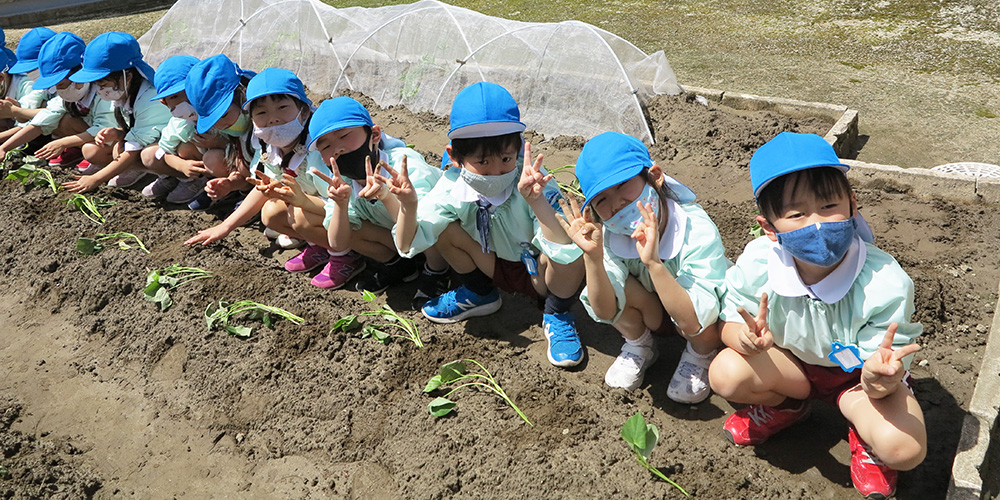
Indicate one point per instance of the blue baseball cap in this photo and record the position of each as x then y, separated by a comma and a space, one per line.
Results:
171, 75
111, 51
790, 152
210, 88
27, 49
484, 109
335, 114
274, 81
58, 56
7, 59
610, 159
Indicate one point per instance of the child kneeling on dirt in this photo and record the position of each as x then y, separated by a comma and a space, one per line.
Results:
74, 117
359, 217
489, 215
113, 62
654, 260
813, 311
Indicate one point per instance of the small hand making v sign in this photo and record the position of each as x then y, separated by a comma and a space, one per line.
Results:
399, 183
337, 189
532, 182
647, 236
757, 337
375, 183
883, 371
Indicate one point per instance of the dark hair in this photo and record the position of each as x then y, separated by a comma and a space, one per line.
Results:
133, 93
494, 145
826, 183
663, 192
303, 136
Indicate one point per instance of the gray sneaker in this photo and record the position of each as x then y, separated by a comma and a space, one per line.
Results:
186, 191
127, 178
159, 188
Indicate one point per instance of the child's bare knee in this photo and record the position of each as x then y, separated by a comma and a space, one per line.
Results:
215, 162
726, 373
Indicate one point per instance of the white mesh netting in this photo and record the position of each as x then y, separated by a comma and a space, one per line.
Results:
569, 78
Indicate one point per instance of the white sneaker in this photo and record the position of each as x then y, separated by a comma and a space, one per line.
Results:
271, 234
186, 191
630, 366
127, 178
690, 381
287, 242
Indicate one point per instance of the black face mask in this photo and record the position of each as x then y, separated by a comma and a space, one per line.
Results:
352, 165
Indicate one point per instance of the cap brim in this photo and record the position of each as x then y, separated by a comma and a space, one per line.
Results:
205, 123
613, 179
88, 76
23, 66
169, 91
333, 127
486, 129
246, 105
45, 82
839, 166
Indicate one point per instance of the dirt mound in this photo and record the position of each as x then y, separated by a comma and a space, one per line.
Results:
301, 412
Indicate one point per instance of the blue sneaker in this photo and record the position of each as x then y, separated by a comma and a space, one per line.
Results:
564, 348
202, 202
461, 303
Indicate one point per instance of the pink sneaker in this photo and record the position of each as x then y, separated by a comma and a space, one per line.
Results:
339, 270
310, 258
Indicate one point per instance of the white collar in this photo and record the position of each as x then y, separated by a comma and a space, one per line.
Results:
670, 242
785, 279
298, 155
463, 192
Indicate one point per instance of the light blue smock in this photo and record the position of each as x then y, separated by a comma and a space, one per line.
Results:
100, 116
691, 250
880, 294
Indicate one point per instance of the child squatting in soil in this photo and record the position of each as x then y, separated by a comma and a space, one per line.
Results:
285, 194
178, 159
813, 311
216, 88
113, 61
654, 262
360, 217
489, 216
74, 117
20, 97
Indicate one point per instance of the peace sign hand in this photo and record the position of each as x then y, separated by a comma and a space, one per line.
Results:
581, 228
399, 184
646, 236
757, 337
532, 182
337, 189
883, 371
375, 185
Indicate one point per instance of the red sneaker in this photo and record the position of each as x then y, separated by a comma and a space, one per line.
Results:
870, 476
754, 424
69, 156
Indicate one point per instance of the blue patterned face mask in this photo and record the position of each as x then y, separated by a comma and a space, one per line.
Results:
490, 186
822, 244
629, 217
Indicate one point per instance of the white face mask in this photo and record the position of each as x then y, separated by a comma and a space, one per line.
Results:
280, 135
112, 94
74, 93
184, 111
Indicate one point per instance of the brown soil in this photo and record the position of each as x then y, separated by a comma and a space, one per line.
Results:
101, 391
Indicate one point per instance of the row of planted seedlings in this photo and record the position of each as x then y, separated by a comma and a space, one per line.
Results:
384, 324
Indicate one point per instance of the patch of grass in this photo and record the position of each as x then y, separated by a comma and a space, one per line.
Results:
854, 80
850, 64
985, 113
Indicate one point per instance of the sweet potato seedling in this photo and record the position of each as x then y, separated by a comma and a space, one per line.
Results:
89, 206
218, 315
90, 246
571, 187
35, 175
381, 332
159, 282
457, 371
641, 438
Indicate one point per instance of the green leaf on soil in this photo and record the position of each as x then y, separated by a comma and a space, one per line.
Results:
453, 371
368, 296
440, 407
433, 383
